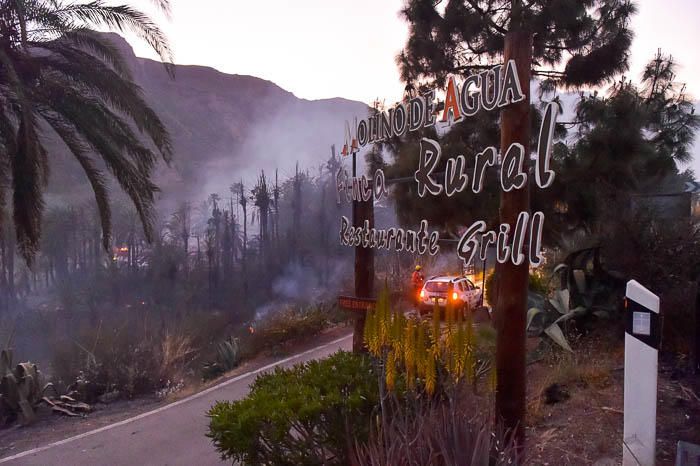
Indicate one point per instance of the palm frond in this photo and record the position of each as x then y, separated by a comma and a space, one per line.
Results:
94, 175
28, 165
102, 48
109, 137
86, 72
122, 18
57, 72
28, 180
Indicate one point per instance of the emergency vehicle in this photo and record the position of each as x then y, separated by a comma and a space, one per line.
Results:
460, 292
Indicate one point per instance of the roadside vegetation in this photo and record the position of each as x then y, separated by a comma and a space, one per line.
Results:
133, 355
419, 396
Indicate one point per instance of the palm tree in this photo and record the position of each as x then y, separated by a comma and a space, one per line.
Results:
262, 199
59, 75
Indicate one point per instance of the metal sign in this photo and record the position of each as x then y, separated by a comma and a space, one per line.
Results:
489, 90
353, 303
692, 187
642, 338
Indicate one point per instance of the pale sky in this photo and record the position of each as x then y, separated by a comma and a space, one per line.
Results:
346, 48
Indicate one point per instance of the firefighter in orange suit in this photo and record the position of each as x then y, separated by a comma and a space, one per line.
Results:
417, 280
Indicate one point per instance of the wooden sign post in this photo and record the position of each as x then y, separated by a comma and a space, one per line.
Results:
364, 262
511, 291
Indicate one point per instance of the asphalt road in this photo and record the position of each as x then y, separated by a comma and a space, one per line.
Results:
173, 434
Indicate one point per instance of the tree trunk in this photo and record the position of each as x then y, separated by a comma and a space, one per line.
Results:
696, 337
245, 254
11, 248
512, 280
364, 267
296, 213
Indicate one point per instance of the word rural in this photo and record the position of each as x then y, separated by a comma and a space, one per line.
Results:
495, 88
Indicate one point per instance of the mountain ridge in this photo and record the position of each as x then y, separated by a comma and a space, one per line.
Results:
225, 127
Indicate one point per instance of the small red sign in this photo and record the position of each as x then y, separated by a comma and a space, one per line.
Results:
352, 303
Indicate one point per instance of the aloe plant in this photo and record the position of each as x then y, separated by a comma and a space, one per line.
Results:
20, 389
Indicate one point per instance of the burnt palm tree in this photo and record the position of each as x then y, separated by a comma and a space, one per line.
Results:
262, 199
59, 75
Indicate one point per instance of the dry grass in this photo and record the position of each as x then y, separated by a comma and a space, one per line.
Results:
571, 372
176, 353
584, 423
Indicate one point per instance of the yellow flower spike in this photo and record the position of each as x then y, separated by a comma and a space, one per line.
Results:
390, 371
369, 331
398, 333
435, 333
409, 346
409, 352
449, 316
430, 376
382, 320
374, 330
421, 349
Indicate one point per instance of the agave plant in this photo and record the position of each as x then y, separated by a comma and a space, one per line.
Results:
587, 288
20, 389
560, 303
591, 284
228, 353
228, 356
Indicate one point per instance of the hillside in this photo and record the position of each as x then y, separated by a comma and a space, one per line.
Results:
224, 127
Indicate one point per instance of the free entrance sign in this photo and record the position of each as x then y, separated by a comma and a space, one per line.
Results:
353, 303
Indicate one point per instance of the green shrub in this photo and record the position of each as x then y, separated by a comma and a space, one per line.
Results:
309, 414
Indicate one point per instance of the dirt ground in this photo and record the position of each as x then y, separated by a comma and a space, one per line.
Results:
579, 420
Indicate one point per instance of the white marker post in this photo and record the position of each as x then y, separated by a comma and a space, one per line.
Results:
642, 339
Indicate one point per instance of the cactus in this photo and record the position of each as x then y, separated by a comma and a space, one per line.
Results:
20, 389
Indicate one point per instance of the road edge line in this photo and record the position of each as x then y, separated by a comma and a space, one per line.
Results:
174, 403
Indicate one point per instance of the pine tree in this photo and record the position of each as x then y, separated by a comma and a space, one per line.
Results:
630, 142
568, 43
575, 43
